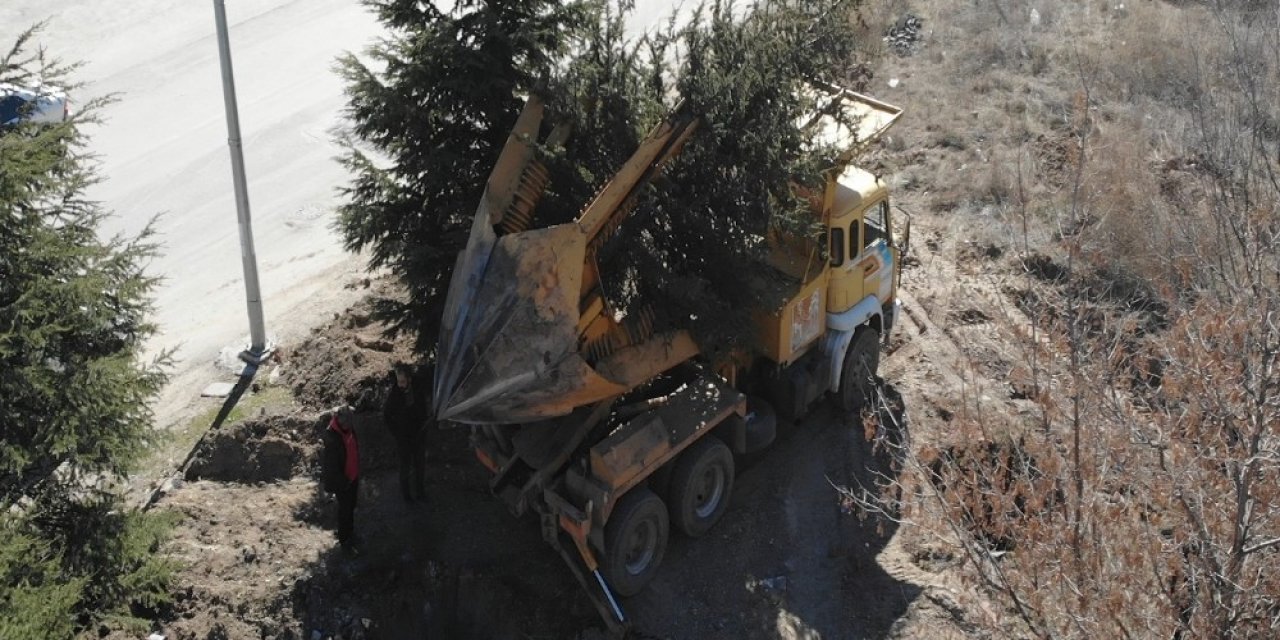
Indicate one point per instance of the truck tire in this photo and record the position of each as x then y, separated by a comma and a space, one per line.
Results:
858, 375
701, 484
635, 539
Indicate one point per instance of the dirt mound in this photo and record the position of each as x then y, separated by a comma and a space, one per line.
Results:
348, 359
260, 560
246, 563
265, 450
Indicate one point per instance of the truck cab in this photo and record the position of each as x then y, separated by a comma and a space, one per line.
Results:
863, 258
823, 337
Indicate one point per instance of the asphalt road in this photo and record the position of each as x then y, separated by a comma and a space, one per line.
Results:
162, 148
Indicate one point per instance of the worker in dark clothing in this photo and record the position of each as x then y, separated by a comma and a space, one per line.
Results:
406, 413
341, 472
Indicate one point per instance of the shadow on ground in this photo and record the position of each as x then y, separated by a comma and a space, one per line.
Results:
790, 559
456, 565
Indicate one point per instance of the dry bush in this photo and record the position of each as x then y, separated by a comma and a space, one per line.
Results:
998, 186
1130, 515
1155, 53
1143, 497
1140, 229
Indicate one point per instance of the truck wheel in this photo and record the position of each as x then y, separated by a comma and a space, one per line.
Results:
635, 539
858, 375
700, 486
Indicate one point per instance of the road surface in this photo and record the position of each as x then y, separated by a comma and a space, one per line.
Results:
162, 148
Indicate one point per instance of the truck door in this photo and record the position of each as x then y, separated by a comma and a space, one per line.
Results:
875, 259
846, 286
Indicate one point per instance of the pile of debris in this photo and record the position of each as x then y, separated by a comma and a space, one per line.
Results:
903, 38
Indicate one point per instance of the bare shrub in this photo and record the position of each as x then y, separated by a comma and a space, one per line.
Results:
1143, 227
1152, 53
1142, 497
997, 187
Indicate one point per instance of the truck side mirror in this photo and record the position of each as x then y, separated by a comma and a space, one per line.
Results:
904, 245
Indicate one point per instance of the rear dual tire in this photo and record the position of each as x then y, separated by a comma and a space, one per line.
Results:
635, 540
701, 484
636, 536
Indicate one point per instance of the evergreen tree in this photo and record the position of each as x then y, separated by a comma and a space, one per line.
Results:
742, 67
428, 126
429, 113
73, 397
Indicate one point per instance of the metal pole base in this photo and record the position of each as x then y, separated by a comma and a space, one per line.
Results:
256, 357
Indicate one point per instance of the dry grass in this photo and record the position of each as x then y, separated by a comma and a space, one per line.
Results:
1138, 138
1002, 127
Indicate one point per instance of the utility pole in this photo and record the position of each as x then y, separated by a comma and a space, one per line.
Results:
258, 350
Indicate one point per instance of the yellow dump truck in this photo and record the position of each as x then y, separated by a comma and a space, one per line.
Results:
613, 431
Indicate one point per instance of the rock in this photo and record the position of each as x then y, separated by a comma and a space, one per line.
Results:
358, 320
217, 390
373, 343
903, 37
170, 485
